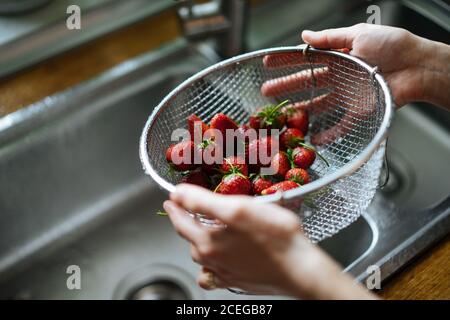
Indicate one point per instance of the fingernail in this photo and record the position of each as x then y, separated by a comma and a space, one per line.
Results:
167, 205
307, 32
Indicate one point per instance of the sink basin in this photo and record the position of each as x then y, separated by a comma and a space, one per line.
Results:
73, 193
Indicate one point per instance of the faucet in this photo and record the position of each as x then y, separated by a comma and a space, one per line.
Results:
223, 20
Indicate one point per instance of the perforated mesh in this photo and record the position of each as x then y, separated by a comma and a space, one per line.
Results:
345, 115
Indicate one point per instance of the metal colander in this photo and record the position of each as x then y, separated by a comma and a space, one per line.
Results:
350, 110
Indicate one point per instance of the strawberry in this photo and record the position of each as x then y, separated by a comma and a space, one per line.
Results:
243, 128
290, 138
260, 183
269, 117
234, 183
303, 157
297, 119
222, 123
192, 120
169, 153
280, 186
298, 175
263, 146
182, 155
280, 164
196, 177
237, 163
243, 138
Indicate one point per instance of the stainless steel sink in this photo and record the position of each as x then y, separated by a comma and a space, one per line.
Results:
73, 193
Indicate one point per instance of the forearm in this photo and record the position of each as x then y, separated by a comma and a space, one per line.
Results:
436, 73
316, 276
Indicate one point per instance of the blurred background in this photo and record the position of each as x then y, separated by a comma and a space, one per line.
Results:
73, 102
35, 30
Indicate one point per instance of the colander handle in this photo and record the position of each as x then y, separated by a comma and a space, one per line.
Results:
386, 170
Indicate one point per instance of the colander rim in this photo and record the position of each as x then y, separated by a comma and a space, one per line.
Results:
342, 172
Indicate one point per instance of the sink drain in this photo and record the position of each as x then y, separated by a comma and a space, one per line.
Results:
158, 282
401, 177
160, 290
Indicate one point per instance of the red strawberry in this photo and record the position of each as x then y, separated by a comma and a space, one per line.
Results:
234, 183
169, 153
280, 186
244, 127
269, 117
196, 177
263, 146
280, 164
290, 137
260, 183
297, 119
182, 155
193, 120
233, 163
298, 175
243, 137
303, 157
222, 123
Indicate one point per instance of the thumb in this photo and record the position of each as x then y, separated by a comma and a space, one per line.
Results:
330, 38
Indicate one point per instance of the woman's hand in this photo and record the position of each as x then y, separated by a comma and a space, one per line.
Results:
261, 250
416, 69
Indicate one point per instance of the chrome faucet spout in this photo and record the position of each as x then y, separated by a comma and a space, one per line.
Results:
222, 20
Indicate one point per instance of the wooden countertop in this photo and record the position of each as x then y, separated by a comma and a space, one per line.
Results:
427, 278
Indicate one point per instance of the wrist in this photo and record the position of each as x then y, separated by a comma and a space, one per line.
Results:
307, 269
312, 274
434, 68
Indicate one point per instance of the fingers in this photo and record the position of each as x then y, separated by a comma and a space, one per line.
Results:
200, 200
294, 83
317, 105
209, 280
351, 120
186, 226
282, 60
290, 59
330, 38
237, 212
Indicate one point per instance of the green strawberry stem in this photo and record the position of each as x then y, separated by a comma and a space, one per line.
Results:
271, 112
234, 169
162, 213
290, 156
297, 179
297, 140
278, 106
205, 143
304, 145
